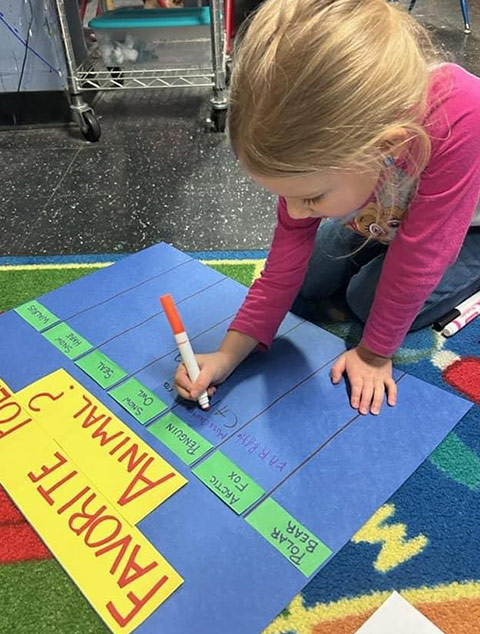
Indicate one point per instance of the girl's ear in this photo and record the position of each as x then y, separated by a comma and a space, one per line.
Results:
394, 142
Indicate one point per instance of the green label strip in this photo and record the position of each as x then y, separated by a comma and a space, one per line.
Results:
185, 442
67, 340
36, 315
229, 482
292, 539
138, 400
101, 369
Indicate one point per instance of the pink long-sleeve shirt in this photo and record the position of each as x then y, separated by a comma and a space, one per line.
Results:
433, 218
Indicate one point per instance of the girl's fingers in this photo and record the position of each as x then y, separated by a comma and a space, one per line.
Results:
191, 391
378, 395
182, 379
356, 393
338, 370
202, 383
187, 395
183, 392
392, 391
366, 398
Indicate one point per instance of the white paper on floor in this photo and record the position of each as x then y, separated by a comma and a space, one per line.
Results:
398, 616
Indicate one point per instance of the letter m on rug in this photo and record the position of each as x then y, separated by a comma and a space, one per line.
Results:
396, 547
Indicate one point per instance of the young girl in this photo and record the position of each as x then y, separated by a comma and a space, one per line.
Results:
341, 108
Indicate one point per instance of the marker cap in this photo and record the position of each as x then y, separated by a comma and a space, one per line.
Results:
204, 400
446, 319
172, 314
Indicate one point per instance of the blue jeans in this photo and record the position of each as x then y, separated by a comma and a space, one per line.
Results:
335, 265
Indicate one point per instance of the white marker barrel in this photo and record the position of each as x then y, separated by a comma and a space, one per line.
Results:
188, 358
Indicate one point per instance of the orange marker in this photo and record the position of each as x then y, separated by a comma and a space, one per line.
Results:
183, 344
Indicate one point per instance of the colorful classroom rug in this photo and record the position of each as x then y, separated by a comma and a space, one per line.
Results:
424, 542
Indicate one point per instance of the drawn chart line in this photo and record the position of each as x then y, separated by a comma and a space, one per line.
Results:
176, 404
125, 290
145, 321
307, 459
199, 334
274, 402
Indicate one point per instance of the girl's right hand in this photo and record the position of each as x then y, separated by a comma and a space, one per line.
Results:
214, 369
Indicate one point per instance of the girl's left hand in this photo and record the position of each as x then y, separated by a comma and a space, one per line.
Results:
370, 376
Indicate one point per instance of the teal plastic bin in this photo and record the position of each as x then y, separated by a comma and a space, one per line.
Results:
136, 36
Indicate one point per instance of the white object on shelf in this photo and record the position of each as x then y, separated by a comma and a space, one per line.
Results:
398, 616
139, 37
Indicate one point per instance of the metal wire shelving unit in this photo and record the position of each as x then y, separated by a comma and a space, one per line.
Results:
93, 75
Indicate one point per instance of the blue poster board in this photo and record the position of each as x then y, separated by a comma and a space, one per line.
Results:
314, 469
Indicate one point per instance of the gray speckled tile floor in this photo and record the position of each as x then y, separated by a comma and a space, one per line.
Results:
155, 174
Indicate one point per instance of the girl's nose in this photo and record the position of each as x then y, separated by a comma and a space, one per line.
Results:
296, 210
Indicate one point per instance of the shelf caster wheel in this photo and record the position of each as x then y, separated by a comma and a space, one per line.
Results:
218, 120
90, 127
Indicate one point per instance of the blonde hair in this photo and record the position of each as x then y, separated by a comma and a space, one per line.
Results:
324, 84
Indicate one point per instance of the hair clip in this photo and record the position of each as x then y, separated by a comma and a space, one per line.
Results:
389, 161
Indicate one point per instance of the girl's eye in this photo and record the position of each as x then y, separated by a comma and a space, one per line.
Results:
312, 201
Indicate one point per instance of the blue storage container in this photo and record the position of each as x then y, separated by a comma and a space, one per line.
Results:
138, 36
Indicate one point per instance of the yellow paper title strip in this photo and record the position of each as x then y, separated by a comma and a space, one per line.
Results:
117, 569
129, 473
